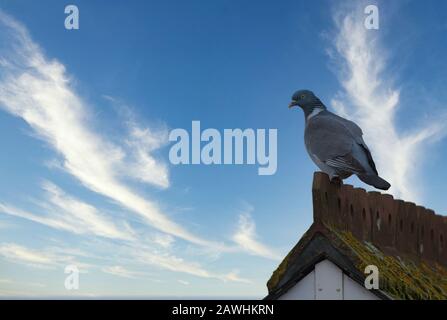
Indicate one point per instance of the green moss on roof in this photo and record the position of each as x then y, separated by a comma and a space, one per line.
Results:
399, 278
278, 273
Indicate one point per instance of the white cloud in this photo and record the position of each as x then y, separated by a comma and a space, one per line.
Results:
170, 262
234, 277
245, 236
139, 255
119, 271
42, 258
173, 263
140, 145
370, 99
186, 283
18, 253
142, 142
39, 91
64, 212
162, 239
52, 257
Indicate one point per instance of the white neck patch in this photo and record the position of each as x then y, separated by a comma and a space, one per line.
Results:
314, 113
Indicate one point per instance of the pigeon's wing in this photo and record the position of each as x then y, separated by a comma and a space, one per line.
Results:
348, 163
331, 142
357, 134
352, 127
327, 138
369, 158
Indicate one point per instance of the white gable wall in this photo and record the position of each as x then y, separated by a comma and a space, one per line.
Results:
327, 282
303, 290
354, 291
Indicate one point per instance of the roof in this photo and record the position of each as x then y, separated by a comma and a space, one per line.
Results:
354, 228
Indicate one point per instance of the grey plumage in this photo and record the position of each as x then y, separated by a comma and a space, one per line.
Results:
336, 144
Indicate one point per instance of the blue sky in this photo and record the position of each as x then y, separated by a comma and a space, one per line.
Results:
84, 118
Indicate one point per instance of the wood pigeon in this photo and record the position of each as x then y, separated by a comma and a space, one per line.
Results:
336, 144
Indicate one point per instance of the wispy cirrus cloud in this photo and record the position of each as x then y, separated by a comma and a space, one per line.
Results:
19, 253
370, 98
136, 255
140, 144
234, 276
245, 236
145, 168
167, 261
162, 239
64, 212
39, 91
41, 258
120, 271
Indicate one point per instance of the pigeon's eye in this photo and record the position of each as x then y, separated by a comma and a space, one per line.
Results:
303, 96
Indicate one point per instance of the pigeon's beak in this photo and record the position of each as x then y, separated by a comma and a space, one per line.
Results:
293, 103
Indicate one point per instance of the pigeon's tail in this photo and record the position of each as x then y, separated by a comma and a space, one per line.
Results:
375, 181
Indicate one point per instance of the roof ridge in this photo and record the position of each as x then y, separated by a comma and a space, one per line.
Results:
387, 223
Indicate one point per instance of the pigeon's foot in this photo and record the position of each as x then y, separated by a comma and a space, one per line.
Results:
337, 181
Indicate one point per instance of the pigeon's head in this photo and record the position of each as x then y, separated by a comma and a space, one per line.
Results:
306, 100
